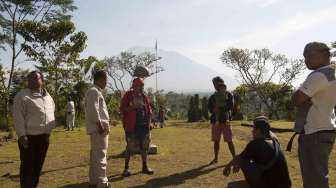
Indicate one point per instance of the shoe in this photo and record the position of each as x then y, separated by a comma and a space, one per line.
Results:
147, 170
213, 162
108, 185
126, 173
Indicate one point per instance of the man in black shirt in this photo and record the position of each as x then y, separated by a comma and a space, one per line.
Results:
262, 161
220, 108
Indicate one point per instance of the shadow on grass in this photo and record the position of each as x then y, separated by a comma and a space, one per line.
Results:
62, 169
238, 184
119, 177
275, 130
79, 185
178, 178
194, 125
117, 156
16, 177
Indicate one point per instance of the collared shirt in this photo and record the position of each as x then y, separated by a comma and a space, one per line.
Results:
33, 113
320, 85
95, 109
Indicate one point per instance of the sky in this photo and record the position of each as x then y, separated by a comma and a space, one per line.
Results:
202, 29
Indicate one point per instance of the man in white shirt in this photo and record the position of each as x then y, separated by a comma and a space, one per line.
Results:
315, 121
97, 126
70, 116
33, 113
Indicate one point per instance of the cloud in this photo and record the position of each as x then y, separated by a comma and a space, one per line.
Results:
262, 3
270, 35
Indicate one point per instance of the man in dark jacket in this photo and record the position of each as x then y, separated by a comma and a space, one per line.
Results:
262, 161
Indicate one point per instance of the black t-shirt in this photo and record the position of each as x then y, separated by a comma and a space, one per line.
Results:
262, 152
212, 105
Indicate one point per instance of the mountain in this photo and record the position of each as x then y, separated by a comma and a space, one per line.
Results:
182, 74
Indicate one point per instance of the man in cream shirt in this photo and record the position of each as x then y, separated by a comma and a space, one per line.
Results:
33, 113
97, 125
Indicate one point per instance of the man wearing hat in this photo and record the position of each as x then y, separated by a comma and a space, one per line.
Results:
262, 161
220, 106
136, 112
315, 119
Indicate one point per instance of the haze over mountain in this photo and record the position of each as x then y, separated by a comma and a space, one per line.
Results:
182, 74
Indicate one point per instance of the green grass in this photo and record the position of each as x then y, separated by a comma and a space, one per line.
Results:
185, 150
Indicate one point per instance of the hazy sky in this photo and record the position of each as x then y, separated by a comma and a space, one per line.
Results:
202, 29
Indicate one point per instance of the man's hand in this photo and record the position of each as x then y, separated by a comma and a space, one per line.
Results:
227, 170
23, 141
100, 127
235, 169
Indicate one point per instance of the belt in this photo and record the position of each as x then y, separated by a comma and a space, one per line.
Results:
327, 131
290, 143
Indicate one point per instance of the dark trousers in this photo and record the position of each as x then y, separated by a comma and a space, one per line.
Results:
32, 159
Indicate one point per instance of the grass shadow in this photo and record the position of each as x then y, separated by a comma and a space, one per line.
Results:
16, 177
238, 184
119, 177
194, 125
77, 185
178, 178
117, 156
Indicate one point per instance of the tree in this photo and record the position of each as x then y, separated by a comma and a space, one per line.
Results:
122, 66
257, 67
205, 111
19, 82
17, 12
191, 110
198, 112
13, 16
56, 48
3, 93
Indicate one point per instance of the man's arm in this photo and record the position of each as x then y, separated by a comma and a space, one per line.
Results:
19, 115
229, 101
233, 163
93, 109
211, 104
19, 120
299, 98
314, 83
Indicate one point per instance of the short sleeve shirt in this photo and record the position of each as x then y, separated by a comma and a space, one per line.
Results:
320, 85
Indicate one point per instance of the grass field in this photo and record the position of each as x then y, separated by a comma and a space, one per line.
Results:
185, 150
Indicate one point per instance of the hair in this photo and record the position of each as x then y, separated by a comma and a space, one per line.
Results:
262, 125
30, 74
217, 79
318, 46
99, 75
